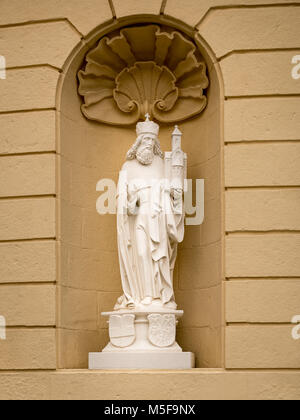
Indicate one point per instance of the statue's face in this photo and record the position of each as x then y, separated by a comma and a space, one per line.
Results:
145, 152
148, 142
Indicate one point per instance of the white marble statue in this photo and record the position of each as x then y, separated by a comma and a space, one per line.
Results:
150, 220
150, 223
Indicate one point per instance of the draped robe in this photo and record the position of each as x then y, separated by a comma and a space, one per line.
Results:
149, 229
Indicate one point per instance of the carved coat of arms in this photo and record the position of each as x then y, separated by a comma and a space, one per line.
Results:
121, 330
162, 330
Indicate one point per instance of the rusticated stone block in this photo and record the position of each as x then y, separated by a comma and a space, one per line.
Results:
26, 348
263, 209
27, 218
262, 119
42, 43
262, 165
261, 347
261, 300
85, 15
260, 255
27, 175
28, 305
23, 262
27, 132
233, 29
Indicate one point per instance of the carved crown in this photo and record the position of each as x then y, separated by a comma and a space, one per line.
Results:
143, 69
147, 127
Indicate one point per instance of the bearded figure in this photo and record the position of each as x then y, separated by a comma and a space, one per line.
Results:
149, 225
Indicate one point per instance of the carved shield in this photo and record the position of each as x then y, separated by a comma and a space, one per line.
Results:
121, 330
162, 330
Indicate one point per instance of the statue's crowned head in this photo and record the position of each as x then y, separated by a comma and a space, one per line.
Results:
147, 144
147, 127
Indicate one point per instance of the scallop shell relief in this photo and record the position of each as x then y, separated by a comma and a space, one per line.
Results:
143, 70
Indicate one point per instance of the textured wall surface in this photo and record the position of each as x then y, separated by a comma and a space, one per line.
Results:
253, 42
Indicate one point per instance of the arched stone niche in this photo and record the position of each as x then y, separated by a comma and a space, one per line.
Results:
89, 279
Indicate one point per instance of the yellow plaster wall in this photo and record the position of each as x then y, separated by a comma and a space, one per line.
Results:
261, 139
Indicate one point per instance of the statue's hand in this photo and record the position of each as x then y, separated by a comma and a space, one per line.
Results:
177, 193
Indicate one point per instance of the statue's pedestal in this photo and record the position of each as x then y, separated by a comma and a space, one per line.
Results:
152, 360
142, 339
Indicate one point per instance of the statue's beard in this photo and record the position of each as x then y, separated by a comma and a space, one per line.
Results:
145, 155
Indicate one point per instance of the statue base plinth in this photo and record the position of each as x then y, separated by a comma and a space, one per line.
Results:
142, 339
179, 360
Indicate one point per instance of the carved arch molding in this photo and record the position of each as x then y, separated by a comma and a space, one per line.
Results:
143, 69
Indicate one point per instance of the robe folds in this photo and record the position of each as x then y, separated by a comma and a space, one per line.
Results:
149, 229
